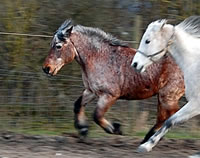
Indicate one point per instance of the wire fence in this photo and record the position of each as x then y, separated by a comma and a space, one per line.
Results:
32, 102
43, 36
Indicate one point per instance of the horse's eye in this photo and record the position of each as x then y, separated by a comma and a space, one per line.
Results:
147, 41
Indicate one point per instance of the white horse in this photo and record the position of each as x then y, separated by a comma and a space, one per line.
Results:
183, 43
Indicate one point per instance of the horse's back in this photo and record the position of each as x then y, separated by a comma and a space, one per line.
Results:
111, 72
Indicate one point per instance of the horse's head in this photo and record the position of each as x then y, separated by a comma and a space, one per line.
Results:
154, 44
62, 50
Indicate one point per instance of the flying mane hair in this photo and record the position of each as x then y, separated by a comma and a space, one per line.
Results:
191, 25
97, 33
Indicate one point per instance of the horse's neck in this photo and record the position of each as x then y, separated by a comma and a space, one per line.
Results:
81, 46
185, 49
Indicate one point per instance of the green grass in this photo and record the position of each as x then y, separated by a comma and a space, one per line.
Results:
44, 127
174, 135
98, 133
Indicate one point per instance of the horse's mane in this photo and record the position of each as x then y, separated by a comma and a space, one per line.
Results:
100, 35
97, 33
191, 25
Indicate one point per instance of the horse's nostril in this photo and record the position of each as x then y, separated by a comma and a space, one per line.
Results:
135, 65
46, 70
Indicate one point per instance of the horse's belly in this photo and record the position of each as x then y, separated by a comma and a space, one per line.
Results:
140, 94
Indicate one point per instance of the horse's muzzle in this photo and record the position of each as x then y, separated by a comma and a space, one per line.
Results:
136, 67
46, 69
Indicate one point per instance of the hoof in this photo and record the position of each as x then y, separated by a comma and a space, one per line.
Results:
82, 129
117, 128
144, 148
83, 132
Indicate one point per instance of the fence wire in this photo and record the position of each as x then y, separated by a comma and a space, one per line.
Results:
44, 36
30, 101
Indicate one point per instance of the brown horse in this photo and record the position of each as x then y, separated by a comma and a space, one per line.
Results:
106, 72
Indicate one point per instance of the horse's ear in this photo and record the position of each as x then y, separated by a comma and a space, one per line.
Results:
70, 30
67, 31
164, 21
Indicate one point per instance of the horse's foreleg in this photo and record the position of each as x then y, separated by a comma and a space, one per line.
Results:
166, 107
104, 103
190, 110
79, 111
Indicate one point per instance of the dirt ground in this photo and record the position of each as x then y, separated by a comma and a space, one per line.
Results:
69, 146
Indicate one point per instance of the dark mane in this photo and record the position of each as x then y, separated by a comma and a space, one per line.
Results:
100, 35
96, 33
65, 24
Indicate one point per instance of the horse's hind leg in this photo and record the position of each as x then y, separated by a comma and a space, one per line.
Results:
104, 103
167, 106
190, 110
79, 111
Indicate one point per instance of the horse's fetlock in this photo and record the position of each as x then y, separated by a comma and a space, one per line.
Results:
79, 124
82, 128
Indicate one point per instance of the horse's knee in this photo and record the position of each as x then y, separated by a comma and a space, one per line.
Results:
165, 111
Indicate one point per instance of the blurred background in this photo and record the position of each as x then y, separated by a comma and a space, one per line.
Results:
31, 102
